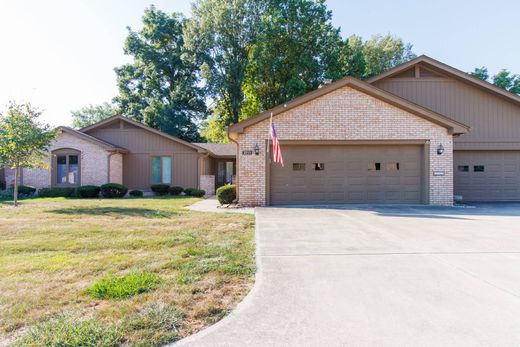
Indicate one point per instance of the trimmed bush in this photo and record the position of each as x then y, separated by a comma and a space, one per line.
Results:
121, 287
175, 190
136, 193
113, 190
3, 185
188, 191
160, 189
6, 194
26, 190
88, 192
57, 192
227, 194
198, 193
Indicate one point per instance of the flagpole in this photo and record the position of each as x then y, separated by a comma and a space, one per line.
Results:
269, 134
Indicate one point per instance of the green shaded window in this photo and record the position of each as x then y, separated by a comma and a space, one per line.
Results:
162, 170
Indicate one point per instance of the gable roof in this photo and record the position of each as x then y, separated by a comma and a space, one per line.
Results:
220, 149
453, 126
95, 140
142, 126
436, 65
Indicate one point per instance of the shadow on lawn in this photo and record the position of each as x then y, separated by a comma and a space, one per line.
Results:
115, 212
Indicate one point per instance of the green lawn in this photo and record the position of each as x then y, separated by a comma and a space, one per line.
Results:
139, 271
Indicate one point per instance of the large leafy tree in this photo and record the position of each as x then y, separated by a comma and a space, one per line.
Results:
221, 35
503, 79
23, 140
91, 114
161, 87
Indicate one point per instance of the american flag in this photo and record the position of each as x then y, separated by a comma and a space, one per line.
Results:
277, 152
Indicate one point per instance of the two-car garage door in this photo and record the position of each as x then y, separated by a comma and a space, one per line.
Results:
329, 174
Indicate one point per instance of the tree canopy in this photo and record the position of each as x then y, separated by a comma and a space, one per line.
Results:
23, 139
161, 86
91, 114
503, 79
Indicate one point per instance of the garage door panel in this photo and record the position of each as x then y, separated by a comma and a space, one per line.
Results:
349, 175
500, 180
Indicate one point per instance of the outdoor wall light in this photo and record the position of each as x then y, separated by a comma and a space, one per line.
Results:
440, 149
257, 149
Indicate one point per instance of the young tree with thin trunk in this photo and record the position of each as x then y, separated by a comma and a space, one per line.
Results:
23, 140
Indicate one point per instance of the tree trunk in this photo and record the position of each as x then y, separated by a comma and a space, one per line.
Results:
15, 192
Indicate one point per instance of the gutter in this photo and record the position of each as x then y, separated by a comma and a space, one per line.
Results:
237, 164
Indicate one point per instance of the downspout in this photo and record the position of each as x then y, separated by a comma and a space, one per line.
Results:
238, 167
201, 157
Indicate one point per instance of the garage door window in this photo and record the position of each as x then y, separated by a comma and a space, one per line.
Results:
374, 167
463, 168
319, 166
392, 166
478, 168
298, 166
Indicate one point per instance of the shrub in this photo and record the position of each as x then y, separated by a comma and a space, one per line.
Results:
26, 190
160, 189
227, 194
113, 190
175, 190
198, 193
71, 331
3, 185
88, 191
188, 191
120, 287
57, 192
6, 194
136, 193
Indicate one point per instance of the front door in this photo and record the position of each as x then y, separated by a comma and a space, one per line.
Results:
225, 172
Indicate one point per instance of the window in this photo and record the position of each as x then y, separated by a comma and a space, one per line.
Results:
229, 172
298, 166
162, 170
478, 168
392, 166
67, 169
374, 167
319, 166
463, 168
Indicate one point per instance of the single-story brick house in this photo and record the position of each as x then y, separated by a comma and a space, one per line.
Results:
422, 132
120, 150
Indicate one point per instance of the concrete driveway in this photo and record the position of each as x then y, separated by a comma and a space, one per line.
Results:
380, 276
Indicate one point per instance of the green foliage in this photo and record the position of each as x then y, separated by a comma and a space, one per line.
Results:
161, 86
480, 72
136, 193
160, 189
227, 194
67, 331
26, 190
23, 139
157, 324
88, 191
92, 114
188, 191
175, 190
121, 287
57, 192
6, 194
198, 193
113, 190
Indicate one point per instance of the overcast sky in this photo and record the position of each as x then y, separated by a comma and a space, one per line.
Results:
60, 54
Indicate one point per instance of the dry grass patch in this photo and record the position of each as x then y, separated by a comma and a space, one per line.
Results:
147, 270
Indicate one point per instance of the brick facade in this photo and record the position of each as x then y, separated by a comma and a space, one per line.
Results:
344, 114
94, 163
207, 183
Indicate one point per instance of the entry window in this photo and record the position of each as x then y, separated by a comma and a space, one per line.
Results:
463, 168
162, 170
298, 166
392, 166
319, 166
67, 169
374, 167
478, 168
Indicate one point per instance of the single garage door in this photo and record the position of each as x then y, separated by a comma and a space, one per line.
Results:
487, 175
329, 174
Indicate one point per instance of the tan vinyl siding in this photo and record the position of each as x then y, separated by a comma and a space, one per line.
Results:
142, 146
494, 121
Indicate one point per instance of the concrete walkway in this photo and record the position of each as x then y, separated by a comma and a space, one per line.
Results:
211, 204
380, 276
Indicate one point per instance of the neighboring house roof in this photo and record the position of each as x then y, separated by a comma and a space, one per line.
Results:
452, 125
141, 125
220, 149
450, 71
95, 140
